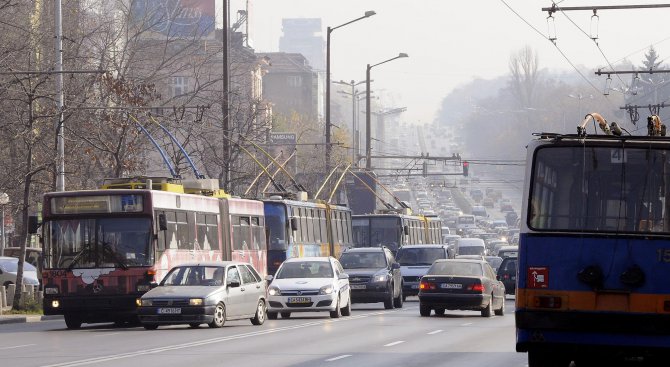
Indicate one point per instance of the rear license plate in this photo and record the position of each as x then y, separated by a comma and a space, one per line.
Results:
357, 286
299, 300
451, 286
169, 311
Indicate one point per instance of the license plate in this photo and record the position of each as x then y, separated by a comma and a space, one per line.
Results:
169, 311
299, 300
451, 286
357, 286
415, 286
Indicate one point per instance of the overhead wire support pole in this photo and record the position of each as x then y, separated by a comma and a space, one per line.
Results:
650, 71
60, 140
555, 8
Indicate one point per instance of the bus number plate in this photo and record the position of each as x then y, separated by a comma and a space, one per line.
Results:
663, 255
169, 311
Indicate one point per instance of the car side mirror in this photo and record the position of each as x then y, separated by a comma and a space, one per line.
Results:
395, 266
162, 222
294, 223
269, 278
343, 276
233, 283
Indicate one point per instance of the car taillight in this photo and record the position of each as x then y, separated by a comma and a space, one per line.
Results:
426, 286
476, 287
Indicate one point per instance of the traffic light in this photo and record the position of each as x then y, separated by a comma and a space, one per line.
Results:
466, 166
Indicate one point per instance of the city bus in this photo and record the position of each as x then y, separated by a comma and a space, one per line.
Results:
297, 228
594, 251
395, 229
104, 248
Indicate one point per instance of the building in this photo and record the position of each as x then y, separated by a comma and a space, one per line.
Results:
303, 35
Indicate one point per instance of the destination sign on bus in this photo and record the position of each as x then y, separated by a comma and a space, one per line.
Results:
96, 204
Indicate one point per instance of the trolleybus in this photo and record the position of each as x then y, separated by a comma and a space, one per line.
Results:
594, 251
104, 248
395, 229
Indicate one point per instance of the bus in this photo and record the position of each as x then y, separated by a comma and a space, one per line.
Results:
594, 251
104, 248
297, 228
395, 229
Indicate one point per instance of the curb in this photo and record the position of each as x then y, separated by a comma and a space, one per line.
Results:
20, 319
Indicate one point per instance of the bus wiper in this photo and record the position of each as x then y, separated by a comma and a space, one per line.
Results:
86, 247
114, 255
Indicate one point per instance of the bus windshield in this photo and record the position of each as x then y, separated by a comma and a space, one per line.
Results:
600, 189
275, 223
98, 242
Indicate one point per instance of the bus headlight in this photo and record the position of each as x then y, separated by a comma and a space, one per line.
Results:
195, 302
138, 302
55, 303
146, 302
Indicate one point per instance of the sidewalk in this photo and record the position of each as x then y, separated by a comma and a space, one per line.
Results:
19, 319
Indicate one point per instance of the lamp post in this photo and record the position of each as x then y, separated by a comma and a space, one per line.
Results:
354, 93
4, 200
330, 30
368, 114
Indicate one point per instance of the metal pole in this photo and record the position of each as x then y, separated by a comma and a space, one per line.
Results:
328, 148
60, 171
2, 251
225, 108
368, 148
353, 122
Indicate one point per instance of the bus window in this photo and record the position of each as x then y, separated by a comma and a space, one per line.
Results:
323, 225
161, 235
212, 232
275, 223
171, 233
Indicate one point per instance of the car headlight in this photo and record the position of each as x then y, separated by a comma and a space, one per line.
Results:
51, 290
274, 291
147, 302
380, 278
326, 289
195, 302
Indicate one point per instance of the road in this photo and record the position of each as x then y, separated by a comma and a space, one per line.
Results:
370, 337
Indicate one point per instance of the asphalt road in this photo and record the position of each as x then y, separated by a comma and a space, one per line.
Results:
372, 336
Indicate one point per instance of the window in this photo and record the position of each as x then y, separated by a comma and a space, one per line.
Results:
254, 273
178, 85
247, 277
241, 233
294, 80
233, 275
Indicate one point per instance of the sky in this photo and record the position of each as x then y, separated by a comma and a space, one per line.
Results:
451, 42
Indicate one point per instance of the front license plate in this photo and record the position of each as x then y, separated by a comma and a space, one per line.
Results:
169, 311
357, 286
451, 286
299, 300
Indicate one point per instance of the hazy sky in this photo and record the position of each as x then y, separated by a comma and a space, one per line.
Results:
451, 42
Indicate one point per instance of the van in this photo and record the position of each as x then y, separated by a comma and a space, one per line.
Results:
479, 211
470, 246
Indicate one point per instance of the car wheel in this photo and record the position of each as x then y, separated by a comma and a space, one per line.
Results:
388, 302
272, 315
194, 325
501, 310
338, 311
285, 315
259, 318
439, 311
346, 310
488, 311
424, 310
72, 321
397, 302
219, 316
150, 326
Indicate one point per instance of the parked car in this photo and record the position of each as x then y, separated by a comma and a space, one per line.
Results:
8, 271
460, 284
374, 276
507, 274
309, 284
415, 260
205, 292
33, 255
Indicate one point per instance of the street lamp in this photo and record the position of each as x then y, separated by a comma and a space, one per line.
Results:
4, 200
367, 14
354, 93
368, 145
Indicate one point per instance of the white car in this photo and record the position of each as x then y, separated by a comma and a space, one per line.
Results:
309, 284
9, 267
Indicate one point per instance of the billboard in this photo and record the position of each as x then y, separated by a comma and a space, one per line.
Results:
176, 18
283, 141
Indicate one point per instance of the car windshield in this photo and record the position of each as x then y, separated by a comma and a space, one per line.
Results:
305, 269
471, 250
195, 276
419, 256
456, 268
12, 266
361, 260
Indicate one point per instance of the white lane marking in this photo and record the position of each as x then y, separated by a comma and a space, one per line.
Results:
466, 324
115, 357
435, 332
339, 357
17, 346
107, 334
394, 343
